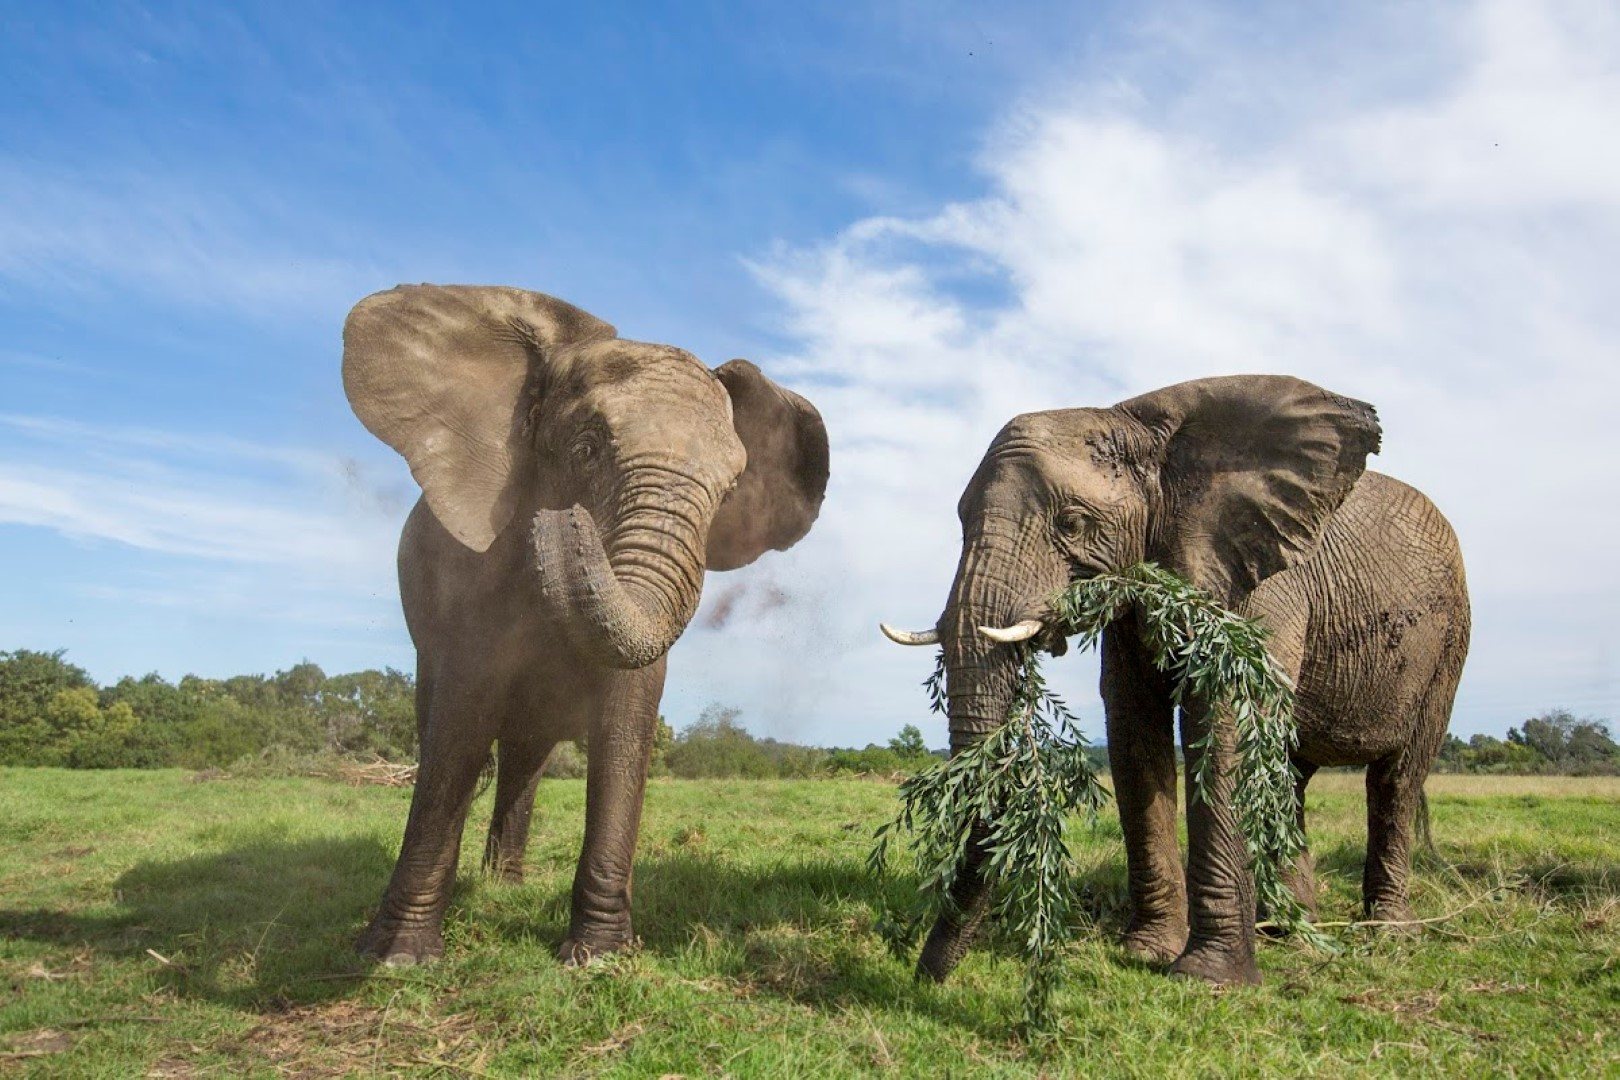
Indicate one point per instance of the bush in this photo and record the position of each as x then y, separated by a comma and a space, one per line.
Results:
1555, 742
567, 762
51, 713
905, 754
716, 745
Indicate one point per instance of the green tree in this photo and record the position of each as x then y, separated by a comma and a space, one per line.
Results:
100, 738
716, 745
29, 683
909, 743
1568, 744
663, 739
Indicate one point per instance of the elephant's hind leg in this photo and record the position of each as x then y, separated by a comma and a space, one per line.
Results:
1393, 786
1394, 795
1300, 878
519, 764
456, 739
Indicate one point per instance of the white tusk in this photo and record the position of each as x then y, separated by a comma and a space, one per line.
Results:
1008, 635
909, 637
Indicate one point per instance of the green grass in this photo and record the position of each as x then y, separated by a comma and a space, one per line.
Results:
150, 924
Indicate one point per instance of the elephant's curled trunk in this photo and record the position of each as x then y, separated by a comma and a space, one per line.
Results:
626, 606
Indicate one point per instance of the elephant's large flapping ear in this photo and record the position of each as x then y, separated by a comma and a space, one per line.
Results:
779, 494
442, 373
1252, 467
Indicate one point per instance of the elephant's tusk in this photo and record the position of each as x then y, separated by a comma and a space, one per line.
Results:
1008, 635
909, 637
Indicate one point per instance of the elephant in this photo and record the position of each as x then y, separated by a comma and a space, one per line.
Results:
575, 488
1251, 487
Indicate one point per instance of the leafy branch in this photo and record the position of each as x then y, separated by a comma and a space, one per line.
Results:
1217, 660
1020, 783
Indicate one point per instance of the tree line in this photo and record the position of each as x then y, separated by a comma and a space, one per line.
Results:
53, 713
1555, 742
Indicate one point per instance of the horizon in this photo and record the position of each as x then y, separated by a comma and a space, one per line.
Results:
924, 220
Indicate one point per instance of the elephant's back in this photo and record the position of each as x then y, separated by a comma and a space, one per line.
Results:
1388, 621
1387, 548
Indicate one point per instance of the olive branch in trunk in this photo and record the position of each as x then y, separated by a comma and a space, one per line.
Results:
1022, 782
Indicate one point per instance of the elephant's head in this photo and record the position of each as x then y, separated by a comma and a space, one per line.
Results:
1225, 481
638, 466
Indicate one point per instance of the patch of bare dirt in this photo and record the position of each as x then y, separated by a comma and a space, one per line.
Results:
42, 1042
341, 1038
1420, 1006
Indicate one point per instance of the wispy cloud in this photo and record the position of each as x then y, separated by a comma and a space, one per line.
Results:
295, 519
66, 232
199, 448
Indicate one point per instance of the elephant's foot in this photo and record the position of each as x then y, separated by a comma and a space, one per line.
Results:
503, 860
1156, 942
936, 962
1392, 916
399, 943
504, 870
1273, 929
1216, 964
579, 951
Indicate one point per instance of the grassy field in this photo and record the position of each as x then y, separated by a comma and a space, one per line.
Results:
152, 923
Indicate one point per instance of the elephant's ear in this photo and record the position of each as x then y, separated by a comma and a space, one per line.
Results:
779, 493
1251, 468
442, 373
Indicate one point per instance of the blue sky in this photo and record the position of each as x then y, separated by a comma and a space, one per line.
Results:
924, 216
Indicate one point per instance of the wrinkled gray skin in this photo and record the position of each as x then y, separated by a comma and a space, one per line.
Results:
575, 489
1252, 487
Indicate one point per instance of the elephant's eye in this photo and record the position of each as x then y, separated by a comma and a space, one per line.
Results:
585, 447
1074, 523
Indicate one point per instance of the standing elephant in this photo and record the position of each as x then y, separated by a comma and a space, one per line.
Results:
1251, 487
574, 489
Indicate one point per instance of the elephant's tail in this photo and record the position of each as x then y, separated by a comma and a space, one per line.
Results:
1425, 835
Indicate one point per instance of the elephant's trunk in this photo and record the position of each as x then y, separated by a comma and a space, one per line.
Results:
1006, 573
627, 598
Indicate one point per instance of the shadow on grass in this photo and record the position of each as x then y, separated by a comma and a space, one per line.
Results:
264, 921
804, 930
272, 922
1541, 873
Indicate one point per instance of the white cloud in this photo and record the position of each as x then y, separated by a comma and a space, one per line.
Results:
1447, 256
275, 532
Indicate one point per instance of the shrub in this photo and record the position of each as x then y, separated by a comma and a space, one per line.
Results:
567, 762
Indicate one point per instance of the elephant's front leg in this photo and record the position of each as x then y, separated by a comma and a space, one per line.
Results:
1142, 758
620, 747
1220, 886
1301, 877
456, 737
